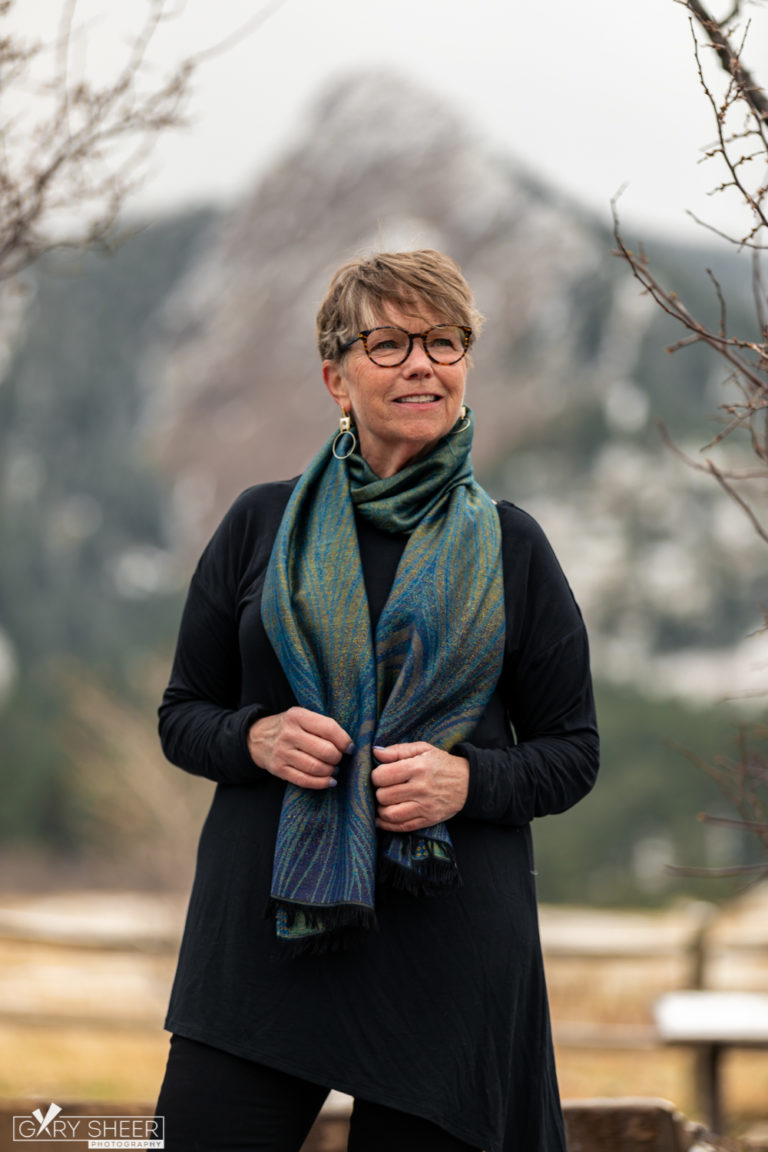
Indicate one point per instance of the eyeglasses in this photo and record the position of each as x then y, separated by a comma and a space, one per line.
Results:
388, 347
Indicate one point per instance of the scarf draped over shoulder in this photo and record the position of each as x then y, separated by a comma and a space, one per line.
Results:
426, 675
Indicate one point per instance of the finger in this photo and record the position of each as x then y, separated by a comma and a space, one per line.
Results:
398, 814
395, 829
323, 726
400, 794
394, 752
295, 758
402, 826
385, 775
304, 780
309, 747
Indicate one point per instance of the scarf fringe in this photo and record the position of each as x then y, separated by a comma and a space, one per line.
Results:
333, 929
425, 878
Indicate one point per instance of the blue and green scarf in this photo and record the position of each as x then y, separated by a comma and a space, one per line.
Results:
427, 674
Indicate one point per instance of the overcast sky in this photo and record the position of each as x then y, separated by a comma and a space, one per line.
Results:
590, 94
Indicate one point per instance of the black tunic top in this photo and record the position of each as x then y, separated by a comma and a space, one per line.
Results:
441, 1011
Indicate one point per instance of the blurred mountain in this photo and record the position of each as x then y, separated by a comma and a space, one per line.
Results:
142, 390
570, 375
380, 164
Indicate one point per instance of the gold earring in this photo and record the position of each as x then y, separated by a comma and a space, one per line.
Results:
345, 429
465, 420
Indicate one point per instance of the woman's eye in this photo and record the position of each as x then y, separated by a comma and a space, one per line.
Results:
386, 341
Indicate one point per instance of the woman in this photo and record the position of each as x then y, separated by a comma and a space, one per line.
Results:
387, 677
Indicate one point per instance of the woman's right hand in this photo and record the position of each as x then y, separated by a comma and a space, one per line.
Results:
299, 746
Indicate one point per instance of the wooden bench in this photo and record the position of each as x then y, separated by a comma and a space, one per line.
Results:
709, 1023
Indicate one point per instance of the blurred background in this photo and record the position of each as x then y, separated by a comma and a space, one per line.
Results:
144, 386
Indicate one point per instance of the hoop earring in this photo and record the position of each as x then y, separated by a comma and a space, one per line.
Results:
465, 421
345, 429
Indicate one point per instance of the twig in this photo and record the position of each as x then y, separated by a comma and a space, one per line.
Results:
721, 301
757, 870
744, 242
84, 147
758, 295
727, 487
736, 91
730, 60
730, 822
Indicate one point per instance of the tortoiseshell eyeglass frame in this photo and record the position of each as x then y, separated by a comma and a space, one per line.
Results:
363, 336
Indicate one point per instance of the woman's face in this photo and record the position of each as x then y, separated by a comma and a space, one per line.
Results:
399, 413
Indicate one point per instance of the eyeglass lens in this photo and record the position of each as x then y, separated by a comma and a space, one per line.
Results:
444, 344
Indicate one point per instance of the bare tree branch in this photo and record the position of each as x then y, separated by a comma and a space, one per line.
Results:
744, 242
725, 483
69, 162
758, 871
727, 141
71, 157
729, 58
729, 822
721, 300
759, 296
744, 414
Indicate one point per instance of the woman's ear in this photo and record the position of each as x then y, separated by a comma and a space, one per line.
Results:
335, 383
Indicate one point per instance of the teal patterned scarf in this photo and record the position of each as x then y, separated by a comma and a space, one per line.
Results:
426, 675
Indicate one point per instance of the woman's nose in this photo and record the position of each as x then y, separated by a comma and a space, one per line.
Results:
417, 359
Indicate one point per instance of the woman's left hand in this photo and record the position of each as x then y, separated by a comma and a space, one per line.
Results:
418, 785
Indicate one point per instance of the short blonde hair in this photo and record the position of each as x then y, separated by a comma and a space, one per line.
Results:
360, 291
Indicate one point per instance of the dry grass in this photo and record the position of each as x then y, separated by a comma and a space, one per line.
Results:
76, 1063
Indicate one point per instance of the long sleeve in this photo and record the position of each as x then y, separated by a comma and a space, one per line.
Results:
224, 677
202, 729
551, 756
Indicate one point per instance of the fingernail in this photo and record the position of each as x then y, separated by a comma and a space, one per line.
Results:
332, 783
351, 749
335, 770
378, 747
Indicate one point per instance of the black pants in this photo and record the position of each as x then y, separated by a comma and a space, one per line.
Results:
215, 1102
